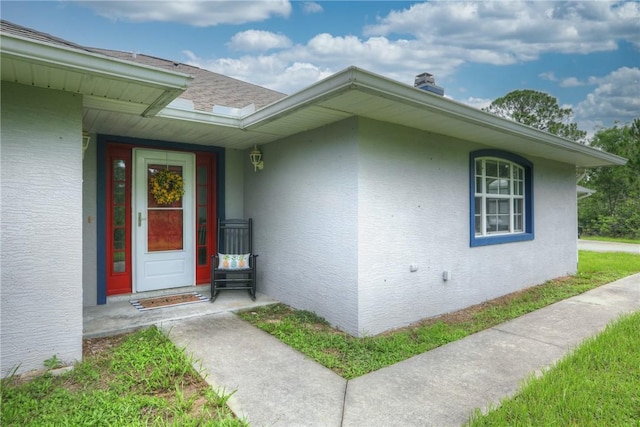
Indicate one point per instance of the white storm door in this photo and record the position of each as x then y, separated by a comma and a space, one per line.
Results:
163, 237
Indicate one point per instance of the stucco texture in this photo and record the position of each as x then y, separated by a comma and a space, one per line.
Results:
358, 221
304, 207
41, 253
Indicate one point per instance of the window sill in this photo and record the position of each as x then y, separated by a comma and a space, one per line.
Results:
497, 240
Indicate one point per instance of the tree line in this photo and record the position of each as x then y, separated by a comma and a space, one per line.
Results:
614, 209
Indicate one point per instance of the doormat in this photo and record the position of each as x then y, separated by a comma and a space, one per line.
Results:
168, 301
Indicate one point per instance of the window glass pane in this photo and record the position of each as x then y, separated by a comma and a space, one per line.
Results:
119, 170
503, 206
478, 215
492, 186
118, 238
492, 206
478, 184
492, 224
202, 215
202, 175
202, 256
517, 188
478, 167
517, 206
118, 216
503, 223
202, 235
517, 223
202, 195
119, 193
503, 184
504, 170
492, 168
118, 262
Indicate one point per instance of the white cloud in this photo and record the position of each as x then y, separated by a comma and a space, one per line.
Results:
617, 97
478, 103
515, 30
198, 13
311, 7
550, 75
571, 82
266, 70
438, 37
254, 40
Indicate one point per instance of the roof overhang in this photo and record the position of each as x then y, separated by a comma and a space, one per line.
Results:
355, 92
106, 83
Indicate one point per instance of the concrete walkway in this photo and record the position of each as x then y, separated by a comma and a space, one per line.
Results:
275, 385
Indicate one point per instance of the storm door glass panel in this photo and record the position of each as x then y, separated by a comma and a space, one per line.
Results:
165, 221
118, 222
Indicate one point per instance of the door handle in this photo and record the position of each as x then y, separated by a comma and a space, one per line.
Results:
140, 219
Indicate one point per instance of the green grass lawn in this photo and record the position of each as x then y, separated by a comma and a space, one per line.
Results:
141, 379
352, 357
598, 384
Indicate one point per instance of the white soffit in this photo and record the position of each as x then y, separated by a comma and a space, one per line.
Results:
145, 90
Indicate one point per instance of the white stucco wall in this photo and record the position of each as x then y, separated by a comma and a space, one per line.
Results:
414, 210
304, 207
41, 222
234, 163
89, 225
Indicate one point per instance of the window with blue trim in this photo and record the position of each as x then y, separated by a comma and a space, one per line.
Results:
501, 198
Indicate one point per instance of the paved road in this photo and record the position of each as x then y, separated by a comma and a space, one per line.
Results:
592, 245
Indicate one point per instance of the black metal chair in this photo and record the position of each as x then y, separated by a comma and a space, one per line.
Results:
234, 266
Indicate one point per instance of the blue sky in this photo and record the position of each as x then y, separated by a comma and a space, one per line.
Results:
584, 53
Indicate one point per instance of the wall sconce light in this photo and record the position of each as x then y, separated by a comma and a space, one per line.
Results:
86, 138
256, 159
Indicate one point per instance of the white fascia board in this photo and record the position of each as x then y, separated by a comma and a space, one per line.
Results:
324, 89
354, 78
91, 63
198, 116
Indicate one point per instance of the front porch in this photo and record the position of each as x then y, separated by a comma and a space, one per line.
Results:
119, 316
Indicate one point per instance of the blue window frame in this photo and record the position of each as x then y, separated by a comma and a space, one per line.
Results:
500, 198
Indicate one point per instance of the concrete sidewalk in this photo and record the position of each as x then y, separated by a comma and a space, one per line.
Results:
276, 385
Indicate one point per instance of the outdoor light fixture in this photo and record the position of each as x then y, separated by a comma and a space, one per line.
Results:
256, 159
86, 138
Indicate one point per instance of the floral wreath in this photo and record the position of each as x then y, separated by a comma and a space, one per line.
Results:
167, 187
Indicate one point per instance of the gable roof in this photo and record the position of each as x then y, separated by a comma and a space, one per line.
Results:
145, 97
